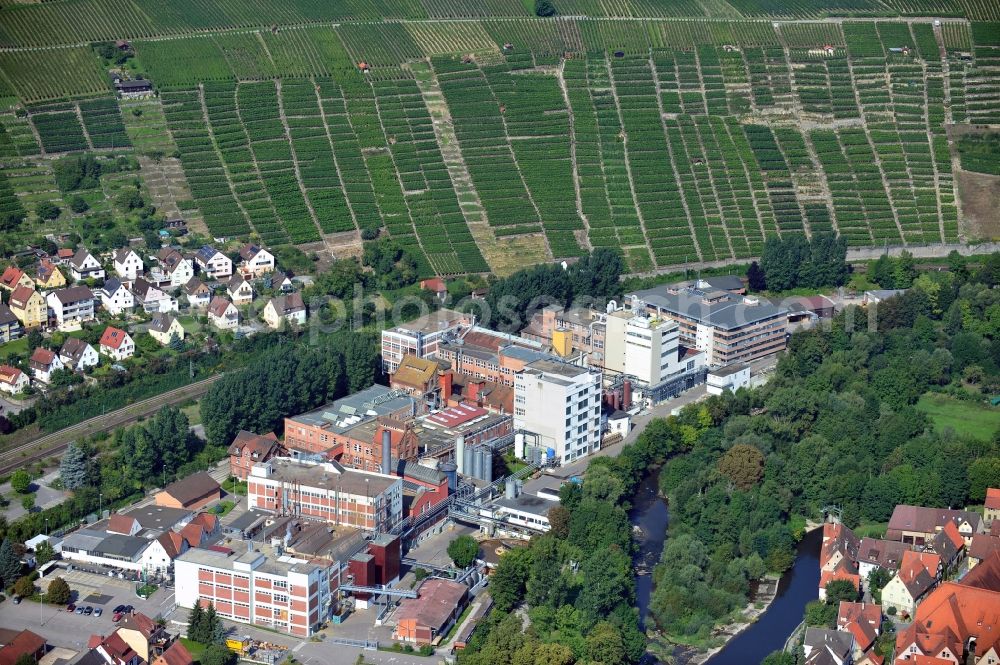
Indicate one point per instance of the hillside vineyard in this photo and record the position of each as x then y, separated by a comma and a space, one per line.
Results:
492, 137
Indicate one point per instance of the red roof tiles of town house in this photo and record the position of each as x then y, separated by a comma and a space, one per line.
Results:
95, 640
256, 442
11, 276
42, 358
172, 543
838, 538
218, 306
864, 635
19, 298
206, 521
986, 575
177, 654
869, 614
993, 498
65, 253
9, 374
121, 524
951, 531
920, 519
117, 647
962, 611
436, 285
193, 533
920, 659
435, 602
45, 268
841, 573
139, 622
26, 642
113, 337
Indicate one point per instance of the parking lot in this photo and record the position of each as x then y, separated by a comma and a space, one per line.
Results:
64, 629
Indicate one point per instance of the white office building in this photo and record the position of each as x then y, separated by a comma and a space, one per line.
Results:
561, 404
645, 347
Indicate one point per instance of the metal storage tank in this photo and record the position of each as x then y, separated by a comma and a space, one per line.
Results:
450, 469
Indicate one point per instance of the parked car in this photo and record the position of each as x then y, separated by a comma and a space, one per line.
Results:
17, 600
119, 609
79, 610
117, 617
71, 608
88, 610
98, 611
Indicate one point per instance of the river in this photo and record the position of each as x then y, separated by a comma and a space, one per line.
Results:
797, 587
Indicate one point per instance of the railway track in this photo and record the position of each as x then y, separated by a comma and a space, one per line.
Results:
56, 442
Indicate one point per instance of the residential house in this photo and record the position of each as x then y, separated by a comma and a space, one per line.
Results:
949, 545
176, 654
240, 291
151, 298
198, 294
13, 380
19, 644
71, 307
957, 622
43, 363
174, 269
991, 509
438, 604
64, 256
916, 525
123, 524
148, 638
29, 307
128, 264
828, 647
838, 557
116, 297
280, 282
874, 553
164, 328
117, 344
10, 327
918, 573
83, 266
435, 286
14, 277
213, 263
171, 544
223, 314
77, 355
289, 308
116, 651
248, 449
982, 547
863, 621
191, 493
49, 276
255, 260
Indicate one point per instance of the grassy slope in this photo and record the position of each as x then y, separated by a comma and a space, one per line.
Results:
969, 418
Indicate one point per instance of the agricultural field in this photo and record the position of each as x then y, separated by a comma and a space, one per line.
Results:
472, 133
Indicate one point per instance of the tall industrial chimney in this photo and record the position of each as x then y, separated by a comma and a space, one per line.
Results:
460, 454
386, 451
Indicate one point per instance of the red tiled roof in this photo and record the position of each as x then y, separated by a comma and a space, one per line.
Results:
436, 285
193, 533
11, 276
95, 640
435, 602
25, 642
172, 543
113, 337
43, 357
954, 612
121, 524
65, 253
139, 622
9, 374
218, 306
19, 298
177, 654
993, 498
117, 647
987, 574
206, 521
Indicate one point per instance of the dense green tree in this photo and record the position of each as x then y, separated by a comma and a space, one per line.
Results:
46, 210
58, 592
841, 590
20, 481
742, 464
877, 579
463, 551
217, 654
755, 277
544, 8
983, 474
779, 658
196, 629
605, 645
44, 553
78, 204
24, 587
508, 581
25, 659
559, 517
10, 563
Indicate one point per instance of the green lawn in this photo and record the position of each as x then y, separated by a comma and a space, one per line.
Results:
18, 346
971, 418
194, 648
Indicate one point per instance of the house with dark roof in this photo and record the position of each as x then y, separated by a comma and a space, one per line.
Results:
223, 314
83, 266
191, 493
43, 363
255, 260
197, 293
10, 327
151, 298
239, 289
71, 307
176, 654
213, 263
116, 297
174, 270
874, 553
982, 547
128, 264
918, 573
147, 637
838, 558
285, 309
77, 355
164, 328
248, 449
916, 525
827, 647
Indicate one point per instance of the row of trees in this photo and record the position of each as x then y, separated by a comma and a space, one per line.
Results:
205, 627
514, 300
287, 380
792, 261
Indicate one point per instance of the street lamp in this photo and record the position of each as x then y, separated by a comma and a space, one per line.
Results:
100, 505
46, 526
